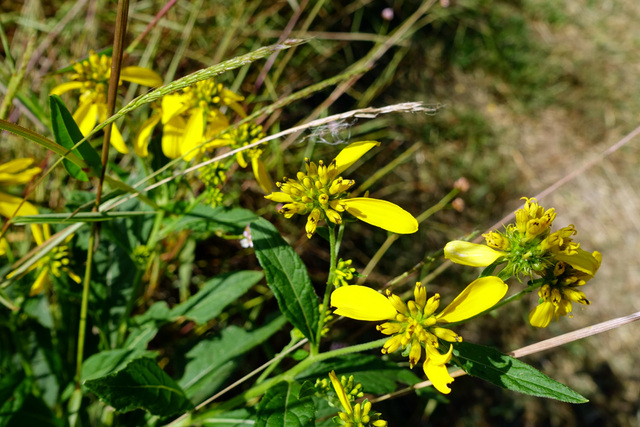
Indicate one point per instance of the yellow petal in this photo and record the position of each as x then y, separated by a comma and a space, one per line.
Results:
9, 204
241, 160
38, 235
15, 172
480, 295
262, 176
473, 254
351, 153
342, 395
141, 75
86, 117
437, 372
116, 138
15, 165
582, 261
65, 87
382, 214
279, 197
362, 303
541, 316
193, 134
40, 282
173, 105
172, 137
141, 142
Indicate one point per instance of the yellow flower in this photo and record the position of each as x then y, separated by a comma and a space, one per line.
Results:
360, 414
322, 194
189, 118
562, 288
54, 263
16, 172
415, 324
527, 247
92, 78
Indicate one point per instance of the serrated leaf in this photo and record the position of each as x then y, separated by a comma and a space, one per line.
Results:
215, 295
208, 357
101, 364
510, 373
67, 134
281, 406
287, 277
141, 384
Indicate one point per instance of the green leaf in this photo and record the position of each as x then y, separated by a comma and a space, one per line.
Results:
239, 418
13, 390
141, 384
287, 277
104, 363
207, 219
215, 295
67, 134
56, 218
281, 406
510, 373
208, 357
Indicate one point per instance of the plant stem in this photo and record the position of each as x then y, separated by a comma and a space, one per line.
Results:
333, 249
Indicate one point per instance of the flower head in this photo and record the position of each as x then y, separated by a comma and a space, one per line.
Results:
16, 172
561, 288
323, 194
91, 76
528, 247
415, 326
189, 118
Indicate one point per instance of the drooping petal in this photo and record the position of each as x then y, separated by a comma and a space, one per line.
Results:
480, 295
473, 254
352, 153
582, 261
193, 135
342, 395
15, 172
65, 87
86, 117
116, 137
436, 370
141, 142
172, 137
262, 176
279, 197
9, 204
40, 282
362, 303
38, 235
382, 214
541, 316
141, 75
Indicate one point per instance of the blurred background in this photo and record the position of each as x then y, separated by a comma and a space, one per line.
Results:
521, 93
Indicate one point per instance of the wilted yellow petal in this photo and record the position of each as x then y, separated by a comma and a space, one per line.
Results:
382, 214
436, 370
582, 261
65, 87
362, 303
9, 204
262, 176
141, 75
480, 295
141, 142
473, 254
40, 282
351, 153
541, 316
116, 137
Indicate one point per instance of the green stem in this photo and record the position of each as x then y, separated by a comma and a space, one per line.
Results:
85, 303
333, 246
271, 367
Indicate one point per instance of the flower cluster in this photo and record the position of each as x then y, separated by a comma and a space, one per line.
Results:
414, 326
323, 194
343, 273
189, 118
530, 248
91, 77
353, 414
